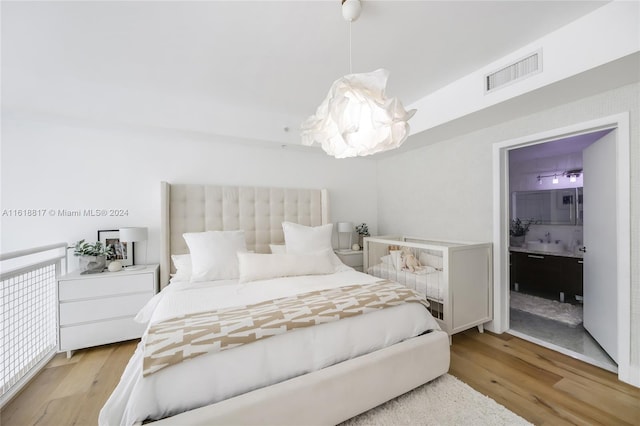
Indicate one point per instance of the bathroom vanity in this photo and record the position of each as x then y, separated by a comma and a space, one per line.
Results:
555, 276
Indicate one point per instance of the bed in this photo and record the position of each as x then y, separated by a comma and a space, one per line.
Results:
304, 376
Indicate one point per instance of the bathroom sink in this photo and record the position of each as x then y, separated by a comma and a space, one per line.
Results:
553, 247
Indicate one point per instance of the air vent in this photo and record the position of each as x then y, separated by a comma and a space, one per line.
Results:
525, 67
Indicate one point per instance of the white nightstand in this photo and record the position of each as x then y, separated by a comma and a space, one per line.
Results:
351, 258
96, 309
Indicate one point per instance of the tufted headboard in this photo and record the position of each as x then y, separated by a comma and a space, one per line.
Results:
258, 211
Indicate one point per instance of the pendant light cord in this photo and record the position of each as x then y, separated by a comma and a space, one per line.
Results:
350, 64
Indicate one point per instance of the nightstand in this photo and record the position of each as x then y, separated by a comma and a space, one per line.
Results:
96, 309
351, 258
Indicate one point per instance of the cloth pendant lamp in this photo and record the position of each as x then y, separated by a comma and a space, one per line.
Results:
357, 118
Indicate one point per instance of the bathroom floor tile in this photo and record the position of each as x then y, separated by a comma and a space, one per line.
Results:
575, 339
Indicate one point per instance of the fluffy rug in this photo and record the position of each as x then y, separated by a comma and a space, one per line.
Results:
443, 401
551, 309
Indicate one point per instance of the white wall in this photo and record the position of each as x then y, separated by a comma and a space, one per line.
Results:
445, 190
582, 45
52, 163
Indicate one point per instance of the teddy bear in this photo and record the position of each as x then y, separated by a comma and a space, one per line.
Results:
409, 261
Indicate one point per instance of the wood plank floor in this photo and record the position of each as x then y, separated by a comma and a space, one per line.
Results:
543, 386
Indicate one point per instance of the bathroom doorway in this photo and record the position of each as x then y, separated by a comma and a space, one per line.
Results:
546, 251
619, 278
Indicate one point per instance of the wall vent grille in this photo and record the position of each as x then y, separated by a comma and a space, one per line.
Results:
525, 67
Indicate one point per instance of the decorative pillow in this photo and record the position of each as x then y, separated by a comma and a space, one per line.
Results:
386, 260
255, 266
278, 248
301, 239
213, 254
307, 239
427, 259
396, 259
182, 262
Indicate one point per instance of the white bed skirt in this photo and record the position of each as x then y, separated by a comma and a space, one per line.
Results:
333, 394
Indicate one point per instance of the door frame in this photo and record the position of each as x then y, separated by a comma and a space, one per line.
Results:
500, 323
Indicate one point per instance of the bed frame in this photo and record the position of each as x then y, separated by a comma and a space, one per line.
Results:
327, 396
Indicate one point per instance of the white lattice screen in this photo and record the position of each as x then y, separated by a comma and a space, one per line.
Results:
28, 327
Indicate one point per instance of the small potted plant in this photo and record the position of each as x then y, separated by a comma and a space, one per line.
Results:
92, 257
363, 231
518, 231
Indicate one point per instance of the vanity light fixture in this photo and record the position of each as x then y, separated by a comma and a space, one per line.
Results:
573, 174
357, 118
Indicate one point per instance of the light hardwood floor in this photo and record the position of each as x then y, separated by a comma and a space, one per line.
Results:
545, 387
541, 385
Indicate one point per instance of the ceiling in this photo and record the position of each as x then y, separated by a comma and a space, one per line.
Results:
149, 61
557, 148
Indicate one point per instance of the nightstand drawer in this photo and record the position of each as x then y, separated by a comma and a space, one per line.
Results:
107, 284
99, 333
85, 311
352, 260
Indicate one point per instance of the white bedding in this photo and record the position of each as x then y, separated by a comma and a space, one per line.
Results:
211, 378
429, 284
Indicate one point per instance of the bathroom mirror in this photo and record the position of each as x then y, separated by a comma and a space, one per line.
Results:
548, 207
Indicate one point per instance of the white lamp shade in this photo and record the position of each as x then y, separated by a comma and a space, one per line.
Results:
133, 234
345, 227
357, 119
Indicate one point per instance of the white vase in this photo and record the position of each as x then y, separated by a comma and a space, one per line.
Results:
92, 264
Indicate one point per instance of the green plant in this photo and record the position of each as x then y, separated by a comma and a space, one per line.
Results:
519, 227
96, 249
363, 230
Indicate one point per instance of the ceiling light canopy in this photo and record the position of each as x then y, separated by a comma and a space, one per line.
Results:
356, 118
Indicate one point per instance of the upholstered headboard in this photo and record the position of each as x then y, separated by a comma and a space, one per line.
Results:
258, 211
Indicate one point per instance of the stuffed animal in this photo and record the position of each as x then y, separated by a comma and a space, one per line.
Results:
409, 261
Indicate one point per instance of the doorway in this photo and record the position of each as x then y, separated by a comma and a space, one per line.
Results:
546, 296
621, 210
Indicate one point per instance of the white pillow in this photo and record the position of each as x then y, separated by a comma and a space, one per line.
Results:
213, 254
301, 239
182, 262
278, 248
396, 259
386, 260
427, 259
254, 266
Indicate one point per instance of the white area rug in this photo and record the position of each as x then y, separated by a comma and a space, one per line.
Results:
551, 309
443, 401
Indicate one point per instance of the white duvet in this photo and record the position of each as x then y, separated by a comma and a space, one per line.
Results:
211, 378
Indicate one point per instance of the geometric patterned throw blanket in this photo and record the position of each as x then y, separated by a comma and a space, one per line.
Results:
175, 340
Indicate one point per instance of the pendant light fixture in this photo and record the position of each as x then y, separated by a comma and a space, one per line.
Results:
356, 118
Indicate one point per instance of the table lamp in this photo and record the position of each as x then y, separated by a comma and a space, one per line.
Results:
344, 228
135, 235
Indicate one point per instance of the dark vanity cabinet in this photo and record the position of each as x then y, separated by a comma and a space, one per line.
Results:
546, 275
